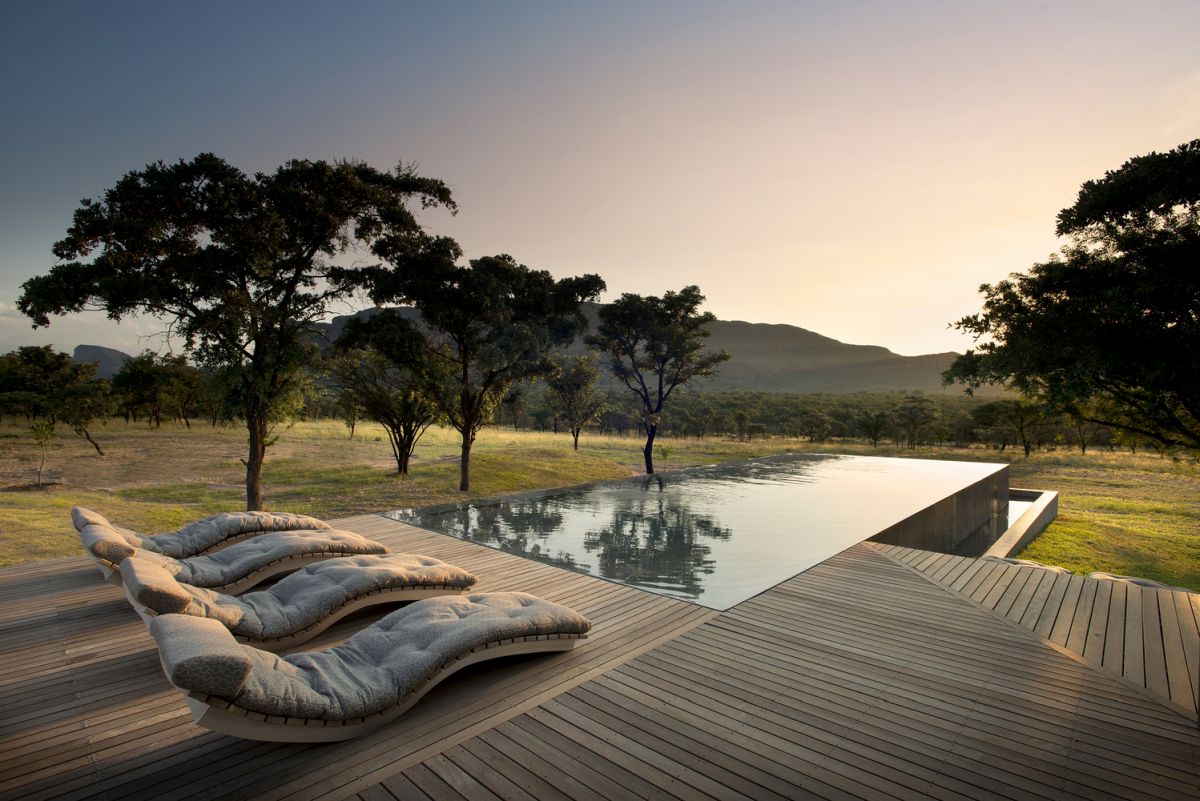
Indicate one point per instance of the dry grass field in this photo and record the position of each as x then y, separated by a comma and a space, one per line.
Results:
1123, 513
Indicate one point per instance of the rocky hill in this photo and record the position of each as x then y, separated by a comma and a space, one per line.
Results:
107, 360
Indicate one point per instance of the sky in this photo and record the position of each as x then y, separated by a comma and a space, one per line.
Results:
854, 168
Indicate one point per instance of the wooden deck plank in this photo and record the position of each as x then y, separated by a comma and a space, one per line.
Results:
856, 703
1178, 677
1115, 625
863, 677
1133, 665
1187, 612
1092, 647
1113, 656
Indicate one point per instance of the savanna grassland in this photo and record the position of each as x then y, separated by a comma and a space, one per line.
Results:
1131, 514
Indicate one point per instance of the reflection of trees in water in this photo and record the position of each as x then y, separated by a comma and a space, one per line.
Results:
517, 526
653, 543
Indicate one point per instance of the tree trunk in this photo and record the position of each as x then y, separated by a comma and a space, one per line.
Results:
87, 435
464, 462
575, 434
648, 451
256, 426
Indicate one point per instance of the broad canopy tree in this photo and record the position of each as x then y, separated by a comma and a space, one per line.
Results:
653, 345
237, 265
384, 390
1108, 329
484, 326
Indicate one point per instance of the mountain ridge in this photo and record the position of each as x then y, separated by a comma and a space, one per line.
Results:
766, 357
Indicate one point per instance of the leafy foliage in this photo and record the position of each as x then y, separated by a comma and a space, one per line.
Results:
484, 327
239, 266
382, 390
573, 392
1107, 330
40, 382
654, 345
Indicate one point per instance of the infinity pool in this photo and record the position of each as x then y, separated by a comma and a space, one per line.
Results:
718, 535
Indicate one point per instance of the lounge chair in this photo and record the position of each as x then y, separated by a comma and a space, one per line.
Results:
299, 606
236, 568
205, 535
365, 682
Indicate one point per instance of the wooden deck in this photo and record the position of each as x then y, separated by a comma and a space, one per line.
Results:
861, 678
1149, 637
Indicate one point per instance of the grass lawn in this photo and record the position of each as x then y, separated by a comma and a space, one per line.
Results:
1122, 513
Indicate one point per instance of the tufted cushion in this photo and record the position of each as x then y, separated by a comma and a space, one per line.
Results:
243, 558
195, 538
204, 534
379, 665
306, 596
201, 655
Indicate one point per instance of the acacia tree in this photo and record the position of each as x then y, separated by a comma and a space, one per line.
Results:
485, 327
573, 393
653, 345
381, 389
1108, 329
239, 266
379, 373
873, 424
40, 382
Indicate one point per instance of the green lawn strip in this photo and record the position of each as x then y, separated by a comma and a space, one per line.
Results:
36, 525
1120, 513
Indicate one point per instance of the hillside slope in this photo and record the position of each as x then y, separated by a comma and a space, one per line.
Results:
786, 358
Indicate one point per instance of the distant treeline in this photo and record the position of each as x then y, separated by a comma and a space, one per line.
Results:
40, 384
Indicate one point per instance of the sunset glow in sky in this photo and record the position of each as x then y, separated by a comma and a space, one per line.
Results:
854, 168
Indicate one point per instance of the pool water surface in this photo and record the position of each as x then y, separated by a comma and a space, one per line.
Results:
714, 535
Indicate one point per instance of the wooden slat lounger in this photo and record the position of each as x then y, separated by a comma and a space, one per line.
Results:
237, 567
300, 606
365, 682
206, 534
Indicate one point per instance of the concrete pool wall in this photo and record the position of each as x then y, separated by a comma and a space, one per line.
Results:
965, 523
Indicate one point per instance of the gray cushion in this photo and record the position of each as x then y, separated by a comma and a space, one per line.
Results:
238, 560
243, 558
295, 602
154, 588
204, 534
200, 655
379, 665
105, 543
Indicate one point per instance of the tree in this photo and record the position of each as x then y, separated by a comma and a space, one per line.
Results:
42, 432
40, 382
142, 386
238, 266
573, 392
33, 379
383, 391
485, 327
81, 405
873, 424
1107, 329
654, 345
915, 419
1024, 420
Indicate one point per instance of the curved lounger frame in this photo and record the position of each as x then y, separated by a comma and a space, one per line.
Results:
301, 605
238, 690
207, 534
238, 567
